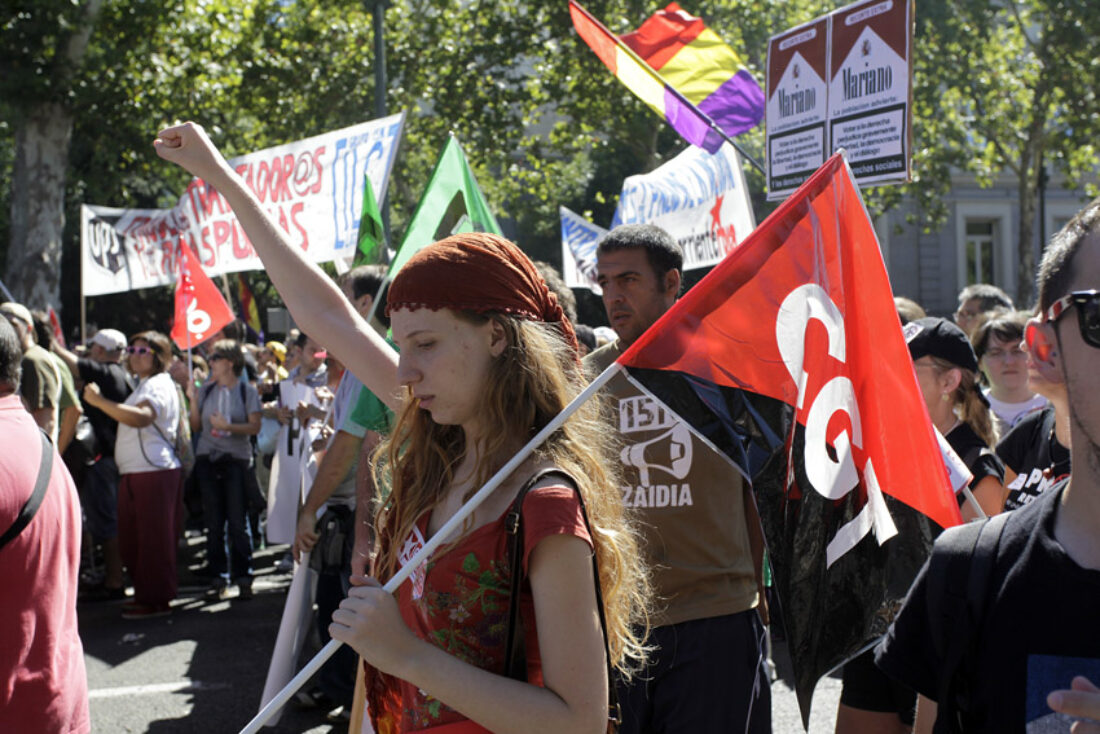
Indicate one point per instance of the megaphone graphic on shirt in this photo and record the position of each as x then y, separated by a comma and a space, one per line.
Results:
669, 452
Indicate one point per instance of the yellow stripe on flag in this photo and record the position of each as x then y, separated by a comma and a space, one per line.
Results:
701, 67
640, 80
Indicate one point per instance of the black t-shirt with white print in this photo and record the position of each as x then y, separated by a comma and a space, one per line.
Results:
1032, 451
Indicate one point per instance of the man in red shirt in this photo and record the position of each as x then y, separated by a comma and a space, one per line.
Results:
43, 684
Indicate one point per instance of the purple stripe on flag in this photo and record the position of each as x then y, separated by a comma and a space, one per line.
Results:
737, 106
686, 121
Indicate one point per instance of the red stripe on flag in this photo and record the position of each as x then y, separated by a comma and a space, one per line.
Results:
663, 34
595, 35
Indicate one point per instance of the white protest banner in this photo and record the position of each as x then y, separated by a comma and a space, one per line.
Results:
293, 460
699, 198
843, 80
579, 238
313, 188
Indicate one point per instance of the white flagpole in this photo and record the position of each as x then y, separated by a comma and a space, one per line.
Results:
969, 497
442, 535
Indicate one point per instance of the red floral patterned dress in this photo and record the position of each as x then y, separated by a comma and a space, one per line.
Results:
459, 601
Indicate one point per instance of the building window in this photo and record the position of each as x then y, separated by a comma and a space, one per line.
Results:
981, 249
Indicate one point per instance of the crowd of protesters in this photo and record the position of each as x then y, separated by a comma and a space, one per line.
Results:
396, 421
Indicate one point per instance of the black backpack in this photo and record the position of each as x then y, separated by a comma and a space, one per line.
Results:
959, 574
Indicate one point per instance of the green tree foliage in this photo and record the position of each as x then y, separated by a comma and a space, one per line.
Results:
1003, 88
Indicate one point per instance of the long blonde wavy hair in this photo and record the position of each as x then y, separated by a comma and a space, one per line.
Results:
535, 377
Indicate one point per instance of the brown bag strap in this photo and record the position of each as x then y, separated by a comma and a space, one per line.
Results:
515, 660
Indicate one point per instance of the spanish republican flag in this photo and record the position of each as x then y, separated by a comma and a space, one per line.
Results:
789, 358
682, 70
250, 312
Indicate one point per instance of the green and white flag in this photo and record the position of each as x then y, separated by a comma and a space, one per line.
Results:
452, 203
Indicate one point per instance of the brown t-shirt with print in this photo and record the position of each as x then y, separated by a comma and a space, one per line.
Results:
687, 498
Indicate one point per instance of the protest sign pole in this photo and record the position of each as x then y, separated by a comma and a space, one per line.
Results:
7, 293
442, 535
969, 496
225, 291
190, 360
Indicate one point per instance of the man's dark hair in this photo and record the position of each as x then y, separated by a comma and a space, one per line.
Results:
11, 358
989, 297
566, 299
586, 335
1054, 269
365, 280
661, 250
300, 342
43, 329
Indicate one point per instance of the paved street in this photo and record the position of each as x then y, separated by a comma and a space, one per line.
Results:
202, 670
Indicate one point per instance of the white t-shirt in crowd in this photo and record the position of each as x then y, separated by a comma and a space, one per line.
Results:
1009, 414
140, 450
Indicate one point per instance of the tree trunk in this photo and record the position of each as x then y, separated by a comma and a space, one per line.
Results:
42, 135
42, 139
1025, 275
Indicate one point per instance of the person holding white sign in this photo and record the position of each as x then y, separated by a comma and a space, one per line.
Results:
487, 359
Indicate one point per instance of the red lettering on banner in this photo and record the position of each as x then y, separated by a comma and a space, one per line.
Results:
282, 221
205, 199
136, 224
242, 248
168, 260
320, 169
222, 231
282, 168
245, 172
139, 248
263, 181
205, 238
295, 210
163, 231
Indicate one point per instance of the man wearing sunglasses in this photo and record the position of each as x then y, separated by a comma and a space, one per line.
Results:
1005, 620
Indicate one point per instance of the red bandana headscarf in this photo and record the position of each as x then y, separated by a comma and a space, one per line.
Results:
478, 272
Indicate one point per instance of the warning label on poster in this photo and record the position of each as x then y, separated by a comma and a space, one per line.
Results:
875, 143
794, 156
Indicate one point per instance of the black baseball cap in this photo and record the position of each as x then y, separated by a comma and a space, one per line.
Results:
937, 337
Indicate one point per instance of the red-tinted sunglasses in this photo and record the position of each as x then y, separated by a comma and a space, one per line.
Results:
1088, 322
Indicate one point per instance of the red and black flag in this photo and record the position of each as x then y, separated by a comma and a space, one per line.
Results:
789, 358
